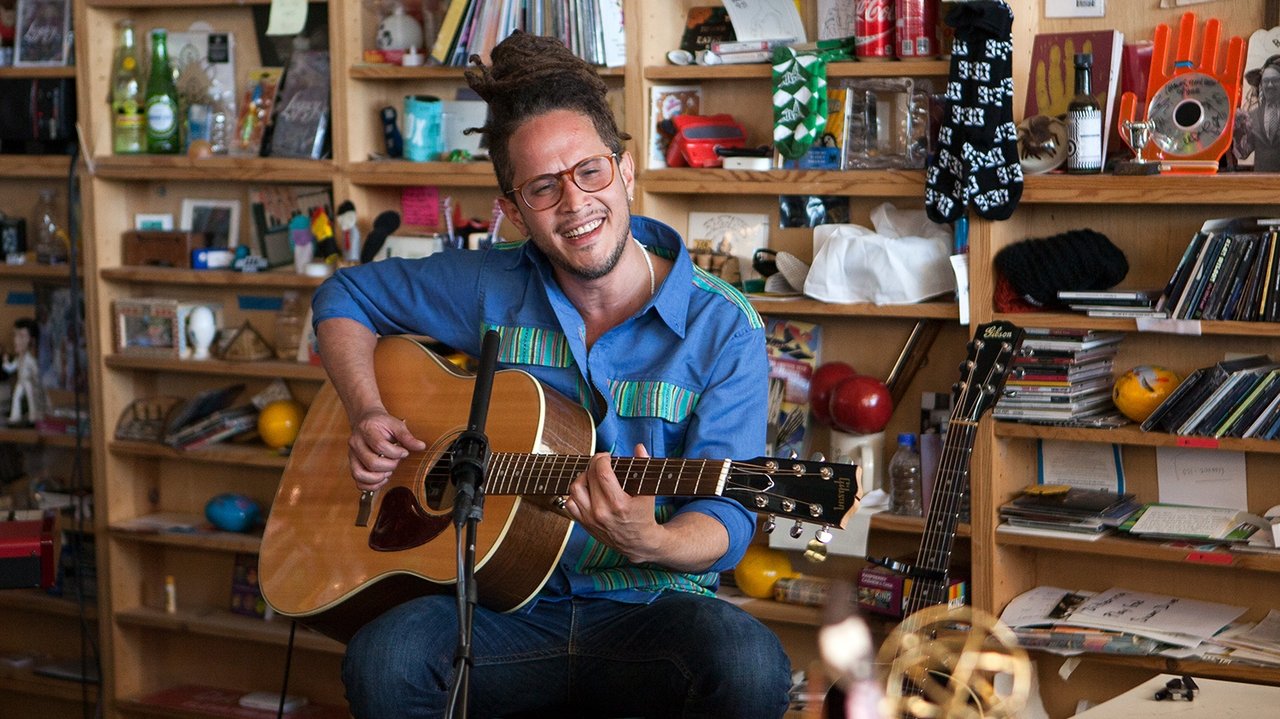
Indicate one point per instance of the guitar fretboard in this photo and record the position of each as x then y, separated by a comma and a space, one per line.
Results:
550, 474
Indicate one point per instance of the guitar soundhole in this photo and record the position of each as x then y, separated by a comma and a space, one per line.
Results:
437, 490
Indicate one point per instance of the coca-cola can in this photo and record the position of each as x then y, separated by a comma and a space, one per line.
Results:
917, 28
873, 29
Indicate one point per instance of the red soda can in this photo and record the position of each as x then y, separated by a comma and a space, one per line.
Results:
873, 29
917, 28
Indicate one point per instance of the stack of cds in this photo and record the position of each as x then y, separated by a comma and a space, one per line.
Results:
1069, 509
1060, 375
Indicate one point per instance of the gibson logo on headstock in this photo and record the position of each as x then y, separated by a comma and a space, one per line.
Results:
995, 332
843, 486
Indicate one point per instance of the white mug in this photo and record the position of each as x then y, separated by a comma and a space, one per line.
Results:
864, 450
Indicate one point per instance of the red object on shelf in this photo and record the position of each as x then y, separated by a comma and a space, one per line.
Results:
861, 404
698, 136
27, 554
824, 379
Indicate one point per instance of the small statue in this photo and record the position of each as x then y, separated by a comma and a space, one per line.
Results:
27, 404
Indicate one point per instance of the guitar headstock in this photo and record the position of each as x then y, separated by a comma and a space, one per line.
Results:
983, 373
821, 493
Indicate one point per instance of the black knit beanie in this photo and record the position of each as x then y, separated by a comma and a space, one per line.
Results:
1039, 268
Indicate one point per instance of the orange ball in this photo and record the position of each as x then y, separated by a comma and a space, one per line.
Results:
759, 569
1139, 391
279, 423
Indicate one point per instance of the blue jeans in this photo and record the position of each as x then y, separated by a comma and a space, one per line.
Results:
680, 656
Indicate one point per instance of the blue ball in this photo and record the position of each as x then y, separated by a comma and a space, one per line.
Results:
232, 512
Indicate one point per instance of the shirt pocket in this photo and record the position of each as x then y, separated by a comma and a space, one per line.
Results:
665, 410
533, 346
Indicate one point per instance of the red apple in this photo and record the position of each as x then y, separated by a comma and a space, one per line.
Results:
860, 404
826, 376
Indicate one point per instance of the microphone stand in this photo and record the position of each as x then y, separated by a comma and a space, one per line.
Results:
467, 472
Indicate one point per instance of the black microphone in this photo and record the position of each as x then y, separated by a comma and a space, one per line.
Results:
471, 449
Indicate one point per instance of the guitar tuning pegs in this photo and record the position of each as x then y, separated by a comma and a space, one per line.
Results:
817, 457
770, 524
815, 551
823, 535
797, 529
793, 455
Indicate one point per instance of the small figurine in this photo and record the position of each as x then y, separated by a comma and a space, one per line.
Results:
27, 404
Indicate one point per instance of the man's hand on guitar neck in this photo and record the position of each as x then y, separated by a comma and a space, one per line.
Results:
688, 542
377, 444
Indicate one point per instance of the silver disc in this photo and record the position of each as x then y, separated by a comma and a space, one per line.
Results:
1189, 114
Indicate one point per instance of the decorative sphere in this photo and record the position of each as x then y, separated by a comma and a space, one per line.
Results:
861, 404
1139, 391
759, 569
232, 512
399, 31
279, 422
824, 378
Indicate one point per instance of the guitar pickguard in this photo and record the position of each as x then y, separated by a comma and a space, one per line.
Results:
403, 522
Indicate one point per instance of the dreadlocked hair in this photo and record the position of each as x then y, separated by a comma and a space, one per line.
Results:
531, 75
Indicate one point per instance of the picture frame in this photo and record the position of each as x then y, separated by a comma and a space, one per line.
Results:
153, 221
42, 33
219, 220
147, 326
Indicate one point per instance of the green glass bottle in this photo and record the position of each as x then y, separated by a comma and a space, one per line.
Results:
128, 132
162, 98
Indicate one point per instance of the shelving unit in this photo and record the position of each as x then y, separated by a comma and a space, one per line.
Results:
146, 649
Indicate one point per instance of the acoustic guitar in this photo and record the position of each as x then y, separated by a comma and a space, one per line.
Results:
334, 559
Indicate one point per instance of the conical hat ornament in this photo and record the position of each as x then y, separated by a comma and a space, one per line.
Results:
1191, 104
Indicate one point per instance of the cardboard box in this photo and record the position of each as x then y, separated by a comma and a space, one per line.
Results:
884, 592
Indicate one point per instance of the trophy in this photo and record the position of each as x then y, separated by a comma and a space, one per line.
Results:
1137, 133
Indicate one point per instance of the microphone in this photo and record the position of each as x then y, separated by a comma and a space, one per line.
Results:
471, 449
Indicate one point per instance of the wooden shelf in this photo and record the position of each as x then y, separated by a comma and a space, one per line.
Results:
885, 522
227, 625
1146, 550
1073, 320
205, 541
261, 368
34, 167
219, 169
272, 279
763, 70
396, 173
33, 271
718, 181
387, 71
171, 4
1241, 188
804, 306
13, 72
1168, 665
38, 600
24, 681
1132, 434
236, 455
35, 438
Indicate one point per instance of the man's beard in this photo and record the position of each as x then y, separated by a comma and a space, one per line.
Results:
598, 271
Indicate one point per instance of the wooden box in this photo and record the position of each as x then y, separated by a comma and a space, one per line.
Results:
162, 248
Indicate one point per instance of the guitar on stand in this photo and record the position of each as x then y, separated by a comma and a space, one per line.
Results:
927, 678
334, 559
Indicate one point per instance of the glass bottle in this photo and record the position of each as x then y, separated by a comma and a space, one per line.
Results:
162, 98
128, 134
1084, 122
905, 488
50, 239
288, 329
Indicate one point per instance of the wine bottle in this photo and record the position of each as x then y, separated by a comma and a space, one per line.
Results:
162, 98
1084, 122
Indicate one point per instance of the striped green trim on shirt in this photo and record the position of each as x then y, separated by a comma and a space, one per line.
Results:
532, 346
704, 280
654, 398
609, 571
509, 245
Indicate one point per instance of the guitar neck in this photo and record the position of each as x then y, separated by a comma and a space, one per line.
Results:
949, 489
550, 474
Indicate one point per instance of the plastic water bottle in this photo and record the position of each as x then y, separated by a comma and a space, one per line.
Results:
904, 478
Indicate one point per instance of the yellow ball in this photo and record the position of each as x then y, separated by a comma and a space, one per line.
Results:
1139, 391
279, 422
759, 569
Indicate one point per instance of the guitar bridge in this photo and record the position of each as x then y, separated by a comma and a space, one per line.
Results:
365, 509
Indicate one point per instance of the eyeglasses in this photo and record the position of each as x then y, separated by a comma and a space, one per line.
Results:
544, 191
1184, 688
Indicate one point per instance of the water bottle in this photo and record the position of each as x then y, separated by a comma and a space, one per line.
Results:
904, 478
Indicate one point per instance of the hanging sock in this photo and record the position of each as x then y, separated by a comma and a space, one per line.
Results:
977, 155
800, 94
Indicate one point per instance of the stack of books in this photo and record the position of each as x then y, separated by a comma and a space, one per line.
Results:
1076, 511
1233, 398
1114, 303
1060, 375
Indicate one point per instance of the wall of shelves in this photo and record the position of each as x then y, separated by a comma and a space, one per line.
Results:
146, 649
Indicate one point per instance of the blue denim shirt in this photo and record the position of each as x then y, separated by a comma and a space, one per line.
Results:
687, 376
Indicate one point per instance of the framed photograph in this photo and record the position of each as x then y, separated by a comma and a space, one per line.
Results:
153, 221
147, 326
219, 220
272, 206
42, 33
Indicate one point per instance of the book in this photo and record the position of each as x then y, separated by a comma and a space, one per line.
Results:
1180, 521
300, 128
1052, 66
793, 348
705, 24
450, 27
